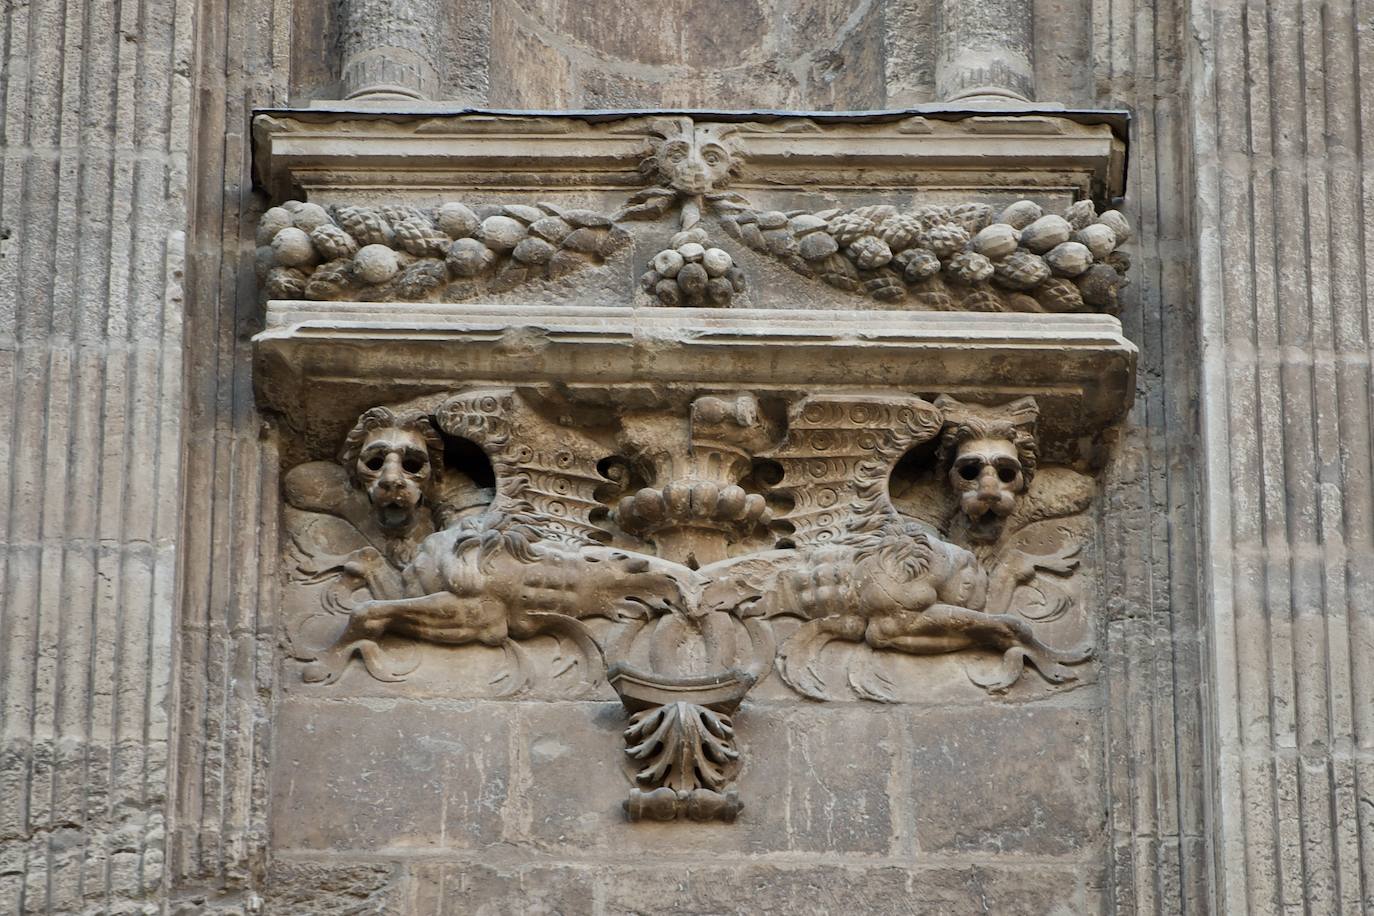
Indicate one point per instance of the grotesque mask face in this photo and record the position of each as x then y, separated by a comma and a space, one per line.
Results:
394, 467
988, 476
696, 165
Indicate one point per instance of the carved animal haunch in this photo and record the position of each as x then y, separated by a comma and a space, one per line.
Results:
490, 580
903, 589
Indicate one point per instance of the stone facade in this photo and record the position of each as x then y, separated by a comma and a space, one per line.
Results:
932, 477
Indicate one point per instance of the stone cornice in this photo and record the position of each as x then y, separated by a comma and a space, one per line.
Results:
321, 363
319, 151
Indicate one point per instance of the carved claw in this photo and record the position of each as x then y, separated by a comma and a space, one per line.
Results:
799, 657
330, 664
1061, 562
868, 680
560, 626
1075, 656
1008, 673
1048, 663
381, 664
517, 670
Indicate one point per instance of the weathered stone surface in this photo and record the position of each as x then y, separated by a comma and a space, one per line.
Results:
874, 889
329, 889
477, 889
140, 578
978, 790
392, 776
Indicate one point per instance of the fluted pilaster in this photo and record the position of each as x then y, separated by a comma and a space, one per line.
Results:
95, 136
1284, 257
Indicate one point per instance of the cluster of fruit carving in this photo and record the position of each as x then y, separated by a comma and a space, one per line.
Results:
688, 272
967, 257
450, 252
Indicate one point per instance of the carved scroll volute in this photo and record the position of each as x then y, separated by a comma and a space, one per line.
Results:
838, 454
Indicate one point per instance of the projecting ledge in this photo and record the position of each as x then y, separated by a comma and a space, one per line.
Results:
320, 364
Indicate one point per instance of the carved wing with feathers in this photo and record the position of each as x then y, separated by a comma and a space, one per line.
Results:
837, 457
549, 472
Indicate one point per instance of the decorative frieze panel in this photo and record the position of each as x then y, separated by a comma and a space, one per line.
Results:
489, 517
931, 254
627, 410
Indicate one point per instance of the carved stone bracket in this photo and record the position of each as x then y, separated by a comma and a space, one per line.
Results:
446, 560
511, 449
681, 743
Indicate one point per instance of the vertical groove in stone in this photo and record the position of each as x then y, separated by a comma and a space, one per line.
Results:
1152, 653
985, 51
90, 332
1284, 265
390, 48
225, 635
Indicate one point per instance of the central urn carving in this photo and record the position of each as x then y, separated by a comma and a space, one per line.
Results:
691, 410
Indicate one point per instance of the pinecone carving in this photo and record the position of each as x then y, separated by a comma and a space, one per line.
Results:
847, 228
418, 236
394, 214
945, 239
1021, 270
982, 299
870, 252
366, 225
886, 286
332, 242
969, 267
972, 217
917, 264
839, 273
1059, 295
331, 280
421, 278
901, 232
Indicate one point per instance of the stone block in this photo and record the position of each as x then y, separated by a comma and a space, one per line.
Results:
813, 780
756, 889
324, 889
874, 890
1004, 779
475, 889
388, 775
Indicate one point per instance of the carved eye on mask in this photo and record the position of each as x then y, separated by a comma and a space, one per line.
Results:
676, 152
394, 456
988, 476
971, 467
